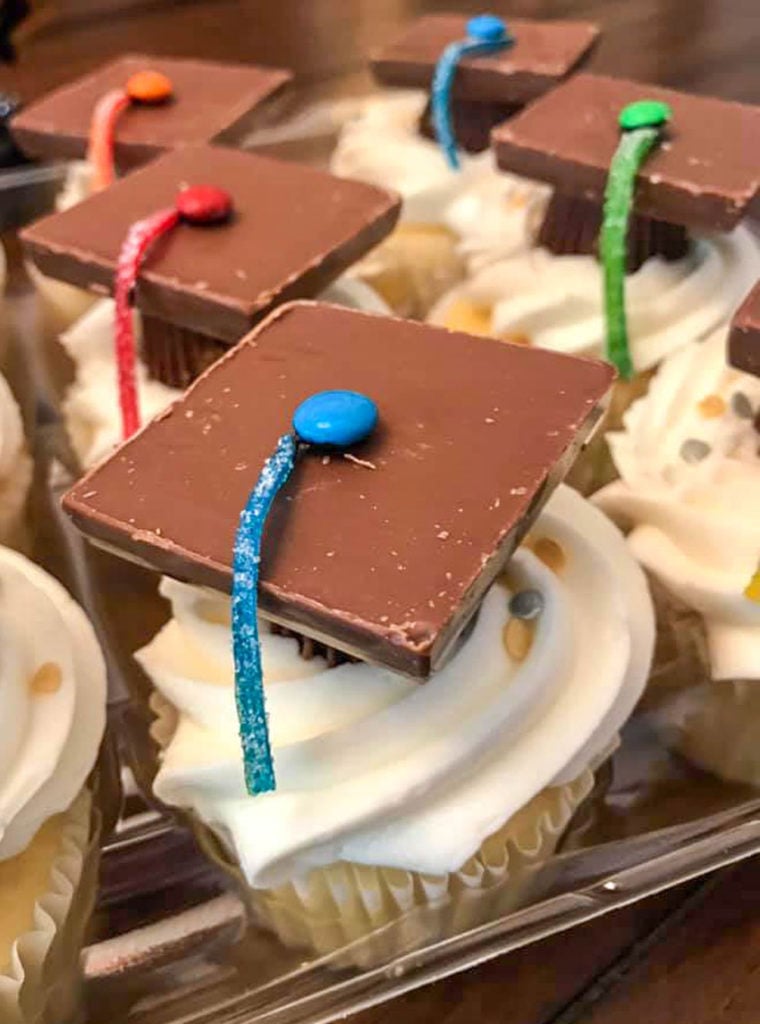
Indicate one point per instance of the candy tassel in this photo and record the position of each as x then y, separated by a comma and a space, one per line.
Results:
140, 237
485, 34
199, 205
336, 419
249, 687
148, 88
107, 112
641, 123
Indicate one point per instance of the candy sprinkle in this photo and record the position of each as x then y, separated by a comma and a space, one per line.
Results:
693, 450
485, 34
526, 604
642, 125
741, 405
752, 590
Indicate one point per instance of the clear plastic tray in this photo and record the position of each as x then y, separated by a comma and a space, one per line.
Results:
172, 939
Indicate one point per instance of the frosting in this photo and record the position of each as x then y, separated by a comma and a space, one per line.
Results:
91, 408
556, 301
376, 769
493, 214
52, 689
77, 185
690, 488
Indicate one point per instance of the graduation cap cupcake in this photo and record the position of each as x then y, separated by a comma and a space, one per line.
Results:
130, 111
398, 708
671, 261
203, 242
469, 74
689, 491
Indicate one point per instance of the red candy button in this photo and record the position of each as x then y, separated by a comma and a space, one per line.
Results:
204, 204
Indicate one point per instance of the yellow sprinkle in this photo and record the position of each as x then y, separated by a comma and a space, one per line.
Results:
752, 590
518, 638
550, 553
463, 315
517, 338
47, 678
711, 407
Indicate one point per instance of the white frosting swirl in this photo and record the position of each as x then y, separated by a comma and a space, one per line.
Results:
91, 408
556, 301
51, 733
77, 185
374, 768
696, 524
493, 214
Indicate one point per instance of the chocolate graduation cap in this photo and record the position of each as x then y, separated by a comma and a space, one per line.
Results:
293, 230
744, 335
487, 87
209, 102
384, 550
704, 176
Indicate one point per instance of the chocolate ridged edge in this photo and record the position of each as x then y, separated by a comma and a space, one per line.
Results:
472, 121
310, 649
571, 226
177, 356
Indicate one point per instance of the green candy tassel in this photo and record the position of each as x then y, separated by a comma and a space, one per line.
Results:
641, 124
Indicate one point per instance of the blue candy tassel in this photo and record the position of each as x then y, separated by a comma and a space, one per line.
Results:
485, 34
249, 686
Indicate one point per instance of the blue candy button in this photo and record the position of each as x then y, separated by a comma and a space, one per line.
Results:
486, 28
335, 418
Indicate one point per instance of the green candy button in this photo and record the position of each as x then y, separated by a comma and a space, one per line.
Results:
644, 114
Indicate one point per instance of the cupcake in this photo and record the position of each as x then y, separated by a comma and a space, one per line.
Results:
689, 260
465, 848
54, 686
209, 102
455, 217
689, 486
15, 468
406, 764
90, 413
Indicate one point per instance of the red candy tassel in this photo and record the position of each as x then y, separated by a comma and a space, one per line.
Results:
146, 87
202, 204
107, 112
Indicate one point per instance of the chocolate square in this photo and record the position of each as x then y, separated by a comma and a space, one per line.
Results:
212, 103
705, 174
744, 336
387, 557
542, 55
294, 230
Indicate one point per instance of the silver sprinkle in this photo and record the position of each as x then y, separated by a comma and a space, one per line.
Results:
694, 450
526, 604
741, 405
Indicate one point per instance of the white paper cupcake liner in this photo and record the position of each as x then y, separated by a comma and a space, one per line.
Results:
367, 915
41, 983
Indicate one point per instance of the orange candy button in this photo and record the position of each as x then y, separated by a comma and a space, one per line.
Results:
149, 87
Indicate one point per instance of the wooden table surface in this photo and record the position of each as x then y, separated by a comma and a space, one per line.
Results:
689, 956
